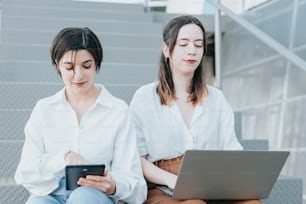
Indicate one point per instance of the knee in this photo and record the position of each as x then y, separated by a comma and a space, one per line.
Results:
85, 195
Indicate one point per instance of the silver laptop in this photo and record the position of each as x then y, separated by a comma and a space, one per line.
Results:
226, 175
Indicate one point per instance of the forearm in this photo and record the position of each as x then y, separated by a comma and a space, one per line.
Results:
157, 175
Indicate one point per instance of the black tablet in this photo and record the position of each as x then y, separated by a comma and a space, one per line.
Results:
74, 172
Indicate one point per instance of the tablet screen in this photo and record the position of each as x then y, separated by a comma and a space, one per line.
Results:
74, 172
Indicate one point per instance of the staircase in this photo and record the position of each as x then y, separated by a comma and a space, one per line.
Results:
131, 43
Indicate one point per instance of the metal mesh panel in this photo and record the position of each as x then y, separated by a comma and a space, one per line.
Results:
12, 123
13, 194
10, 156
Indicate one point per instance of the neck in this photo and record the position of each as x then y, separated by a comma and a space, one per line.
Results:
181, 84
78, 98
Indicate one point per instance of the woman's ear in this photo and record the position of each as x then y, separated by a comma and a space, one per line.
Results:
165, 49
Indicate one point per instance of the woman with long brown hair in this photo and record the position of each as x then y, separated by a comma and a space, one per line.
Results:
180, 111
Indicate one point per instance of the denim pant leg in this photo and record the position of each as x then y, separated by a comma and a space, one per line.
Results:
56, 197
85, 195
48, 199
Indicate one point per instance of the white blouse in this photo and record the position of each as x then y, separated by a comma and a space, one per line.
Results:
162, 133
104, 136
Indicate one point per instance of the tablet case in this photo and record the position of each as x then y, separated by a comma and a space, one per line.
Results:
74, 172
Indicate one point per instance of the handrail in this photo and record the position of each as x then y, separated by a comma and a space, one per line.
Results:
149, 4
1, 20
295, 59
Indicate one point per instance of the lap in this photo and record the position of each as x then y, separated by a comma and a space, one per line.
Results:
86, 195
81, 195
155, 196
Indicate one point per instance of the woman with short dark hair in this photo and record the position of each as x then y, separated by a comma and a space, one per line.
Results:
81, 124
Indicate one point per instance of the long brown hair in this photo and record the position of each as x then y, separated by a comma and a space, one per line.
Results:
165, 88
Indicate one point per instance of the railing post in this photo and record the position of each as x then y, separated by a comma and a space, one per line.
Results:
218, 64
147, 6
0, 21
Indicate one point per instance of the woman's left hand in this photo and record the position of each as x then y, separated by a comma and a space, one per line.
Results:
104, 183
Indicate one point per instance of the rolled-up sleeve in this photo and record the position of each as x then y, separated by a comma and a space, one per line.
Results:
126, 166
37, 171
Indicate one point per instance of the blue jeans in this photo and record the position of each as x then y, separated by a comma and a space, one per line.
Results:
81, 195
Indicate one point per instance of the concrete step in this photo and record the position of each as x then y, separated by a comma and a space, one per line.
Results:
286, 190
111, 54
97, 25
107, 39
78, 13
12, 123
10, 156
25, 95
110, 73
258, 145
132, 8
12, 194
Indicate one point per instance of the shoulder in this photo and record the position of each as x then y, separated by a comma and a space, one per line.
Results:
145, 93
215, 94
119, 104
146, 89
107, 99
48, 101
145, 97
215, 97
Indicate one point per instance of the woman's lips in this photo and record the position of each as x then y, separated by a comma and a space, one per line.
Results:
79, 84
190, 61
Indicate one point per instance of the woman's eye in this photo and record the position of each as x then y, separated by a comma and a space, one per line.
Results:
87, 67
182, 44
198, 44
69, 68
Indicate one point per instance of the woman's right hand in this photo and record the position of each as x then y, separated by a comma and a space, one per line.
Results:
73, 158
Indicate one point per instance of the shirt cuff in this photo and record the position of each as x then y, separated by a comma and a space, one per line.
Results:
121, 190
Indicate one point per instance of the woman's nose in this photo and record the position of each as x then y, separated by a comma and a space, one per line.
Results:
78, 72
191, 49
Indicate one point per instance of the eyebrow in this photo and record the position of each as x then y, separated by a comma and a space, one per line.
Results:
90, 60
68, 62
181, 39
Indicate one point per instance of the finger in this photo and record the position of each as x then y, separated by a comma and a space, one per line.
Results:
96, 178
103, 186
105, 172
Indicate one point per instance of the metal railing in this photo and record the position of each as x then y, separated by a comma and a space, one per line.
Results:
1, 20
149, 4
271, 42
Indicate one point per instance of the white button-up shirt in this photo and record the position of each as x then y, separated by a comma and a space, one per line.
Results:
162, 133
103, 136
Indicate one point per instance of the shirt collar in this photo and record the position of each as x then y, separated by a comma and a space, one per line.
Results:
105, 98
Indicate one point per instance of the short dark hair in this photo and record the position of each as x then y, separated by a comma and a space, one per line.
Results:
75, 38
